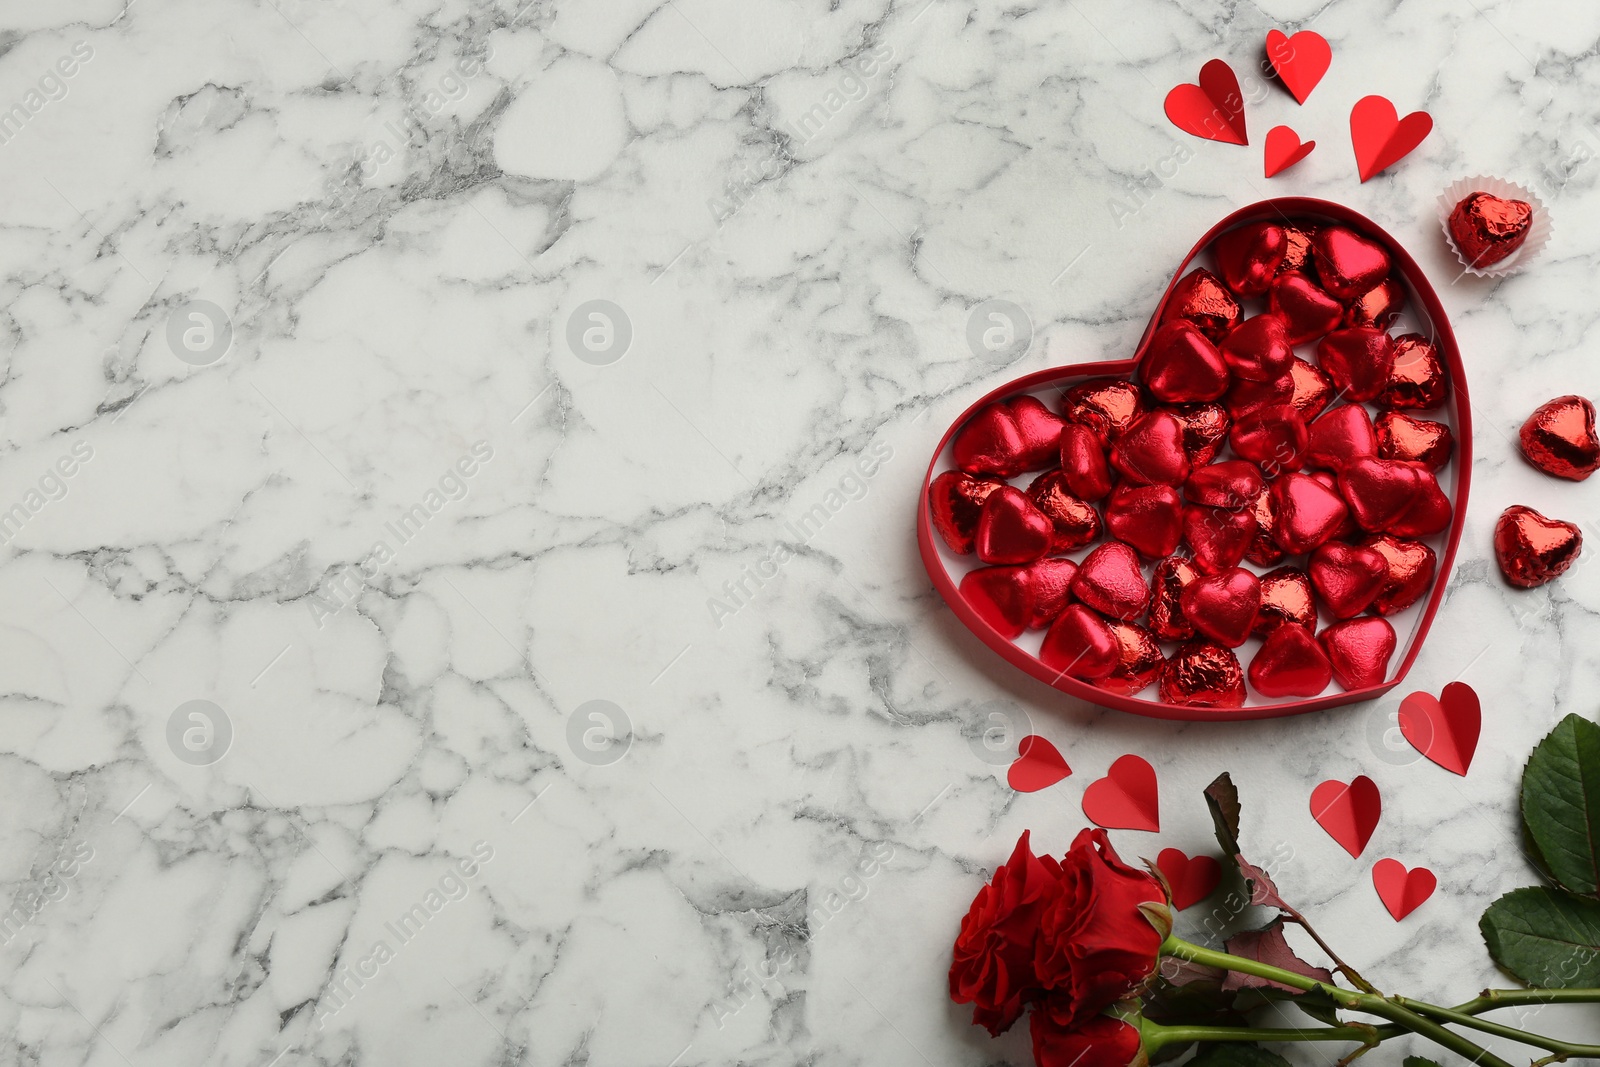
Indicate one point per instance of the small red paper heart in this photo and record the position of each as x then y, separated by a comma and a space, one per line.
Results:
1214, 109
1126, 798
1191, 878
1299, 61
1284, 150
1381, 137
1444, 728
1039, 765
1402, 891
1348, 812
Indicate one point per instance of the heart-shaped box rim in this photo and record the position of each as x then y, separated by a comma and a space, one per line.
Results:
1444, 340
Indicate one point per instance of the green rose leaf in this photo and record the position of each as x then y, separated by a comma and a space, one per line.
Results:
1547, 938
1561, 803
1236, 1054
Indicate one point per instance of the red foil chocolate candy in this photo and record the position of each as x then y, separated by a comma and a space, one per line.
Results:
1105, 405
1414, 440
1202, 299
1074, 522
1223, 606
1307, 513
1309, 311
1532, 549
1050, 580
1166, 612
1347, 263
1380, 491
1358, 361
1559, 438
1219, 537
956, 498
1378, 306
1205, 429
1083, 462
1248, 256
1258, 349
1203, 674
1011, 529
1274, 437
1148, 517
1359, 651
1245, 396
1109, 581
1411, 565
1290, 663
1286, 596
1182, 366
1342, 436
1264, 550
1008, 438
1297, 250
1002, 596
1487, 229
1080, 644
1429, 513
1150, 451
1312, 389
1233, 483
1349, 577
1139, 660
1416, 380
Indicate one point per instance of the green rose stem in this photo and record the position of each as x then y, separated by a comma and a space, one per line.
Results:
1370, 1003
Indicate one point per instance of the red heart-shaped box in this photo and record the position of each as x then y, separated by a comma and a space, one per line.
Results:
1424, 314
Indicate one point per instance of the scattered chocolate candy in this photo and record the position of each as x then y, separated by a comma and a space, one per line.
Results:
1202, 299
1166, 611
1416, 380
1559, 438
1487, 229
1080, 644
1411, 565
1203, 674
1359, 650
1414, 440
1105, 405
1532, 549
1139, 660
956, 498
1290, 663
1074, 522
1286, 596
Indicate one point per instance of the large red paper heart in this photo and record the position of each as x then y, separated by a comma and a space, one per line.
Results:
1299, 61
1191, 878
1348, 812
1103, 402
1214, 109
1039, 765
1402, 891
1284, 149
1126, 798
1444, 728
1381, 137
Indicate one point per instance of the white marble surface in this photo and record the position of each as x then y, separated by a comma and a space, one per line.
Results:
399, 291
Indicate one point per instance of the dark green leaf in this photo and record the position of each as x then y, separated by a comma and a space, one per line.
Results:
1236, 1054
1547, 938
1561, 803
1419, 1061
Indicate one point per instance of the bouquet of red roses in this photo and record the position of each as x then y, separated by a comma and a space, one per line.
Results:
1084, 945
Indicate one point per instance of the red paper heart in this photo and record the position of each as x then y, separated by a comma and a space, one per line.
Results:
1191, 878
1348, 812
1284, 150
1402, 891
1214, 109
1381, 137
1039, 765
1299, 61
1444, 728
1126, 798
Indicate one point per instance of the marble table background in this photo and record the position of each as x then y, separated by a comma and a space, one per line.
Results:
302, 293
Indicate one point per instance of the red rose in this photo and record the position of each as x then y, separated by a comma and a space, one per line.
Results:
1103, 1041
1096, 946
993, 969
